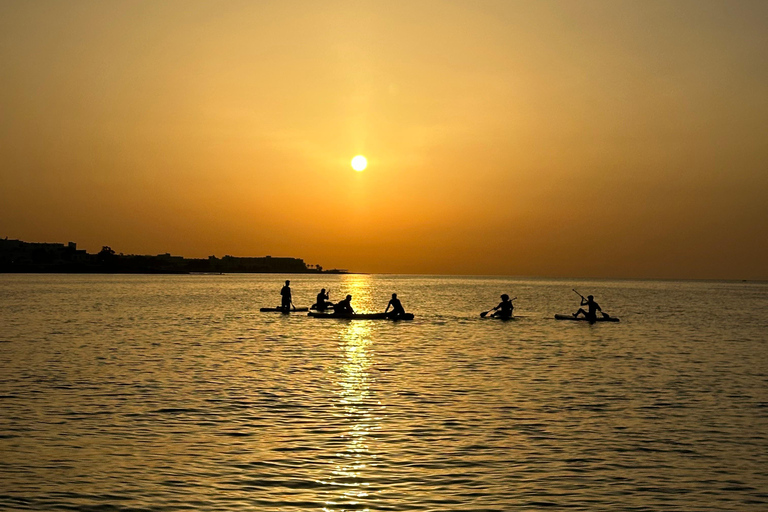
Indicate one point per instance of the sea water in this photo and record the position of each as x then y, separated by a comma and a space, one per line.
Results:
166, 393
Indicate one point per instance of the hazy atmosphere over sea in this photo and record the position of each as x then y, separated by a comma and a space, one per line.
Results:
553, 138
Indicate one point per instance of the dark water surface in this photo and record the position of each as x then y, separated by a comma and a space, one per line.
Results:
174, 393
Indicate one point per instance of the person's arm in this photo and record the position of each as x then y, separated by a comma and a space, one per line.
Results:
597, 306
497, 307
584, 302
389, 304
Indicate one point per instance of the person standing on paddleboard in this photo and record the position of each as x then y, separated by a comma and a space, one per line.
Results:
592, 308
397, 307
285, 293
504, 308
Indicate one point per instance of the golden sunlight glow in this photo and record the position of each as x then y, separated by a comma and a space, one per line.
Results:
359, 163
196, 140
359, 286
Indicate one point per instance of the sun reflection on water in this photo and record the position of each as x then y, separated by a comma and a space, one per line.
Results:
359, 286
359, 410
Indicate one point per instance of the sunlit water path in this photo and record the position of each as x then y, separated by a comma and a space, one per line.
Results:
174, 393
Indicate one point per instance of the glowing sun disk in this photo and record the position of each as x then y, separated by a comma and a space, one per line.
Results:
359, 163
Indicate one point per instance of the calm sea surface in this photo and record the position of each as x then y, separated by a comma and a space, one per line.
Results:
174, 393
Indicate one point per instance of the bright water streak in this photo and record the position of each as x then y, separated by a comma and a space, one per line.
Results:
175, 393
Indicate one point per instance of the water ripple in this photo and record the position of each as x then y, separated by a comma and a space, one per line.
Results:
131, 393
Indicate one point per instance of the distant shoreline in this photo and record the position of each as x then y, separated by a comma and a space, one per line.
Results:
169, 272
19, 257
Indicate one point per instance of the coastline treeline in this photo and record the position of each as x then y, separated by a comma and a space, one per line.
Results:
17, 256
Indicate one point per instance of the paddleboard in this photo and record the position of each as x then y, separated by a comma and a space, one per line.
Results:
582, 319
499, 317
361, 316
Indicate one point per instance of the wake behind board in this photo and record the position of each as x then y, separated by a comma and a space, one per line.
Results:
582, 319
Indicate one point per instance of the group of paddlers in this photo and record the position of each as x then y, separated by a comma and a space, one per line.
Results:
341, 308
504, 309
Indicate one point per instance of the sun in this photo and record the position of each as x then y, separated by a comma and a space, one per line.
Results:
359, 163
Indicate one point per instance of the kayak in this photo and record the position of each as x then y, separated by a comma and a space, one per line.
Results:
582, 319
281, 310
362, 316
313, 307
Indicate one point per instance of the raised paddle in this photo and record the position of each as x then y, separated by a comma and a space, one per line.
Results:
485, 313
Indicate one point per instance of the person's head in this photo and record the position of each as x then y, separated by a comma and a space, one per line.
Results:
505, 297
349, 297
590, 297
287, 282
322, 290
394, 295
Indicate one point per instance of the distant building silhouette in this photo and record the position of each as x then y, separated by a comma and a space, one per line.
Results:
19, 256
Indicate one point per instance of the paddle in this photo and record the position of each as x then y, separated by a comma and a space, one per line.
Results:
485, 313
577, 293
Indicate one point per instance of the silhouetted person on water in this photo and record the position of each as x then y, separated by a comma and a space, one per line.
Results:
285, 292
505, 307
592, 309
321, 304
397, 307
344, 307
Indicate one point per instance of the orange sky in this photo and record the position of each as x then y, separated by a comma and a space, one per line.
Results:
594, 139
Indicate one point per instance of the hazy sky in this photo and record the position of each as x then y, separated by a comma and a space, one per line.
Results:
551, 138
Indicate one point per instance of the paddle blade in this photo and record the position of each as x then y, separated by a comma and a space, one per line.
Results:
484, 313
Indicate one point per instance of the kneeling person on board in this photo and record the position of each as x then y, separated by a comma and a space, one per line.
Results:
344, 307
285, 292
505, 307
592, 309
397, 307
321, 304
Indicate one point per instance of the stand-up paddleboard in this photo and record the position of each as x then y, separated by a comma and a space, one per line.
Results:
499, 317
284, 310
362, 316
583, 319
